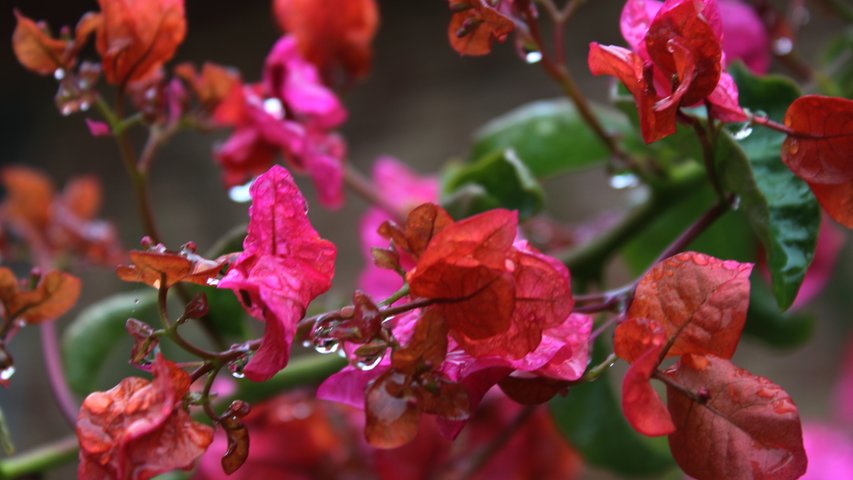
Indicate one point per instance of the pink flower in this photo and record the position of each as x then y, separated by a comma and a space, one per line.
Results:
830, 451
290, 113
743, 34
284, 266
400, 186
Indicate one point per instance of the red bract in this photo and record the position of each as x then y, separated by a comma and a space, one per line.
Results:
475, 25
334, 36
745, 427
140, 429
291, 113
641, 404
497, 298
212, 86
818, 151
677, 61
284, 266
63, 223
699, 301
38, 51
137, 38
160, 267
54, 295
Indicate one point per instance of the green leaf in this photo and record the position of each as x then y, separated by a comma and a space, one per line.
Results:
549, 136
6, 443
499, 179
780, 207
96, 330
591, 419
767, 323
729, 237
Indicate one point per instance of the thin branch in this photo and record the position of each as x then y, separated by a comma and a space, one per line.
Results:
40, 459
56, 375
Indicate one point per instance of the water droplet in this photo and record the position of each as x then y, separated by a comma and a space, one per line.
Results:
240, 193
793, 146
20, 323
7, 373
342, 353
274, 107
84, 106
736, 203
326, 345
621, 181
368, 363
212, 282
59, 74
151, 93
783, 46
533, 56
306, 343
743, 132
66, 110
238, 374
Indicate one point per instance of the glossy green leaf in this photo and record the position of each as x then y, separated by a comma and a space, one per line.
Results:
96, 331
501, 180
729, 237
591, 419
549, 136
780, 207
765, 322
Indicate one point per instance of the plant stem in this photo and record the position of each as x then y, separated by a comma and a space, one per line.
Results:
302, 371
58, 384
40, 459
361, 185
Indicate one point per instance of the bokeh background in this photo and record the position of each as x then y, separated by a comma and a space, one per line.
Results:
421, 104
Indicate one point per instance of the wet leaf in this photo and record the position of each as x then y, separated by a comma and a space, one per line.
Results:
749, 427
36, 49
642, 406
392, 417
475, 25
699, 301
54, 295
779, 207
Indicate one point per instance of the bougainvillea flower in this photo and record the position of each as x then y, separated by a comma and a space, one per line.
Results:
677, 60
404, 188
290, 113
699, 301
53, 295
212, 86
139, 428
157, 264
39, 52
137, 38
501, 296
334, 36
283, 267
65, 222
829, 450
476, 24
743, 34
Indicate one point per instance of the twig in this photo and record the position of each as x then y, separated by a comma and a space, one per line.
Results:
56, 375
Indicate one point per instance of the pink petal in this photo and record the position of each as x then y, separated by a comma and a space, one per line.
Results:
744, 36
284, 266
724, 101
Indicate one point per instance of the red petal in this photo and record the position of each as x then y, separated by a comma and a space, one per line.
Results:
642, 406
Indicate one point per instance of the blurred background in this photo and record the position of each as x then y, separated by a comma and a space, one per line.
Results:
420, 104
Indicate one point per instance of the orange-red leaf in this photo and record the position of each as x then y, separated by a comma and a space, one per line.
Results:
139, 429
427, 347
333, 35
748, 428
642, 406
837, 200
699, 301
136, 38
475, 25
212, 85
819, 150
467, 263
36, 48
151, 266
28, 198
54, 295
